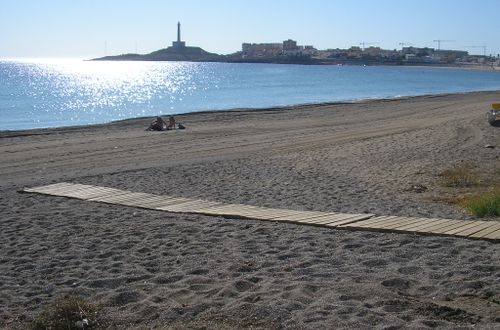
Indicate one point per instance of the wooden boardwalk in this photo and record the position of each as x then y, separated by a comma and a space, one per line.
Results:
488, 230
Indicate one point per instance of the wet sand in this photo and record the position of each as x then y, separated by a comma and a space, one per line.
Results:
151, 268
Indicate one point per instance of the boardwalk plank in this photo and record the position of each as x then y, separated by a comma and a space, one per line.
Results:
454, 225
344, 219
402, 222
49, 189
62, 190
388, 222
177, 202
337, 223
88, 193
155, 200
302, 215
222, 208
486, 231
107, 195
188, 207
452, 231
494, 235
370, 222
436, 225
475, 229
152, 202
328, 217
117, 197
423, 223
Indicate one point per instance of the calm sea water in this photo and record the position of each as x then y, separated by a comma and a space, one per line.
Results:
54, 93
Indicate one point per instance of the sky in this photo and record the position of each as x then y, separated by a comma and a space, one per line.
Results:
94, 28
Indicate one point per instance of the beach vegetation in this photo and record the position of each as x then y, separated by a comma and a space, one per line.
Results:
68, 312
461, 176
483, 204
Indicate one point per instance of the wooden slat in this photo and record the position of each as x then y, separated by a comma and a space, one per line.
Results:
370, 222
204, 205
342, 222
302, 215
39, 189
181, 204
388, 222
428, 224
236, 208
456, 224
223, 209
395, 223
187, 207
494, 235
473, 230
109, 193
49, 189
327, 216
494, 227
71, 187
418, 225
342, 218
472, 225
281, 212
401, 224
61, 190
87, 193
153, 201
452, 231
448, 225
436, 224
150, 202
116, 197
324, 216
177, 201
253, 214
267, 213
238, 211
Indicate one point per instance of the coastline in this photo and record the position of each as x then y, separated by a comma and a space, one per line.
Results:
214, 58
149, 268
49, 130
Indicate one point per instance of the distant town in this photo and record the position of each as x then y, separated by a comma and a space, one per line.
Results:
290, 52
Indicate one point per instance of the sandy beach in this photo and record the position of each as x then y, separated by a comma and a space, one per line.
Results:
152, 269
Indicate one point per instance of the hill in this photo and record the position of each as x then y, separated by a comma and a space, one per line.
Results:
191, 54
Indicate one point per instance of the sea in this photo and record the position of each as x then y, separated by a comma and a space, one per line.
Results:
41, 93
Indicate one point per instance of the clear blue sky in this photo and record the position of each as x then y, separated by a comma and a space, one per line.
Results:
81, 28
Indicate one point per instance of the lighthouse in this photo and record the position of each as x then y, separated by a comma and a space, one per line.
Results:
178, 43
178, 31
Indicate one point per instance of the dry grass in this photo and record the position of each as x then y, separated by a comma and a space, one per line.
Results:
462, 176
68, 312
478, 194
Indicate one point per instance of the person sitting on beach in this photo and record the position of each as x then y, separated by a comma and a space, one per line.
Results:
171, 122
158, 125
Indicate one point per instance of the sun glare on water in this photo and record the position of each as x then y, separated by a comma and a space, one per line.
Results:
89, 91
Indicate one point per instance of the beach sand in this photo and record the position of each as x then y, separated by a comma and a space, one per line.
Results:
149, 268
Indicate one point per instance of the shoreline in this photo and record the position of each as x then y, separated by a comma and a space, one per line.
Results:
148, 268
49, 130
288, 61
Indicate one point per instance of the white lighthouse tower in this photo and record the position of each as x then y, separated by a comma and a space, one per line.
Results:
179, 43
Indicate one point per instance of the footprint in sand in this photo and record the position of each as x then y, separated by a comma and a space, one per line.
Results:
397, 283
